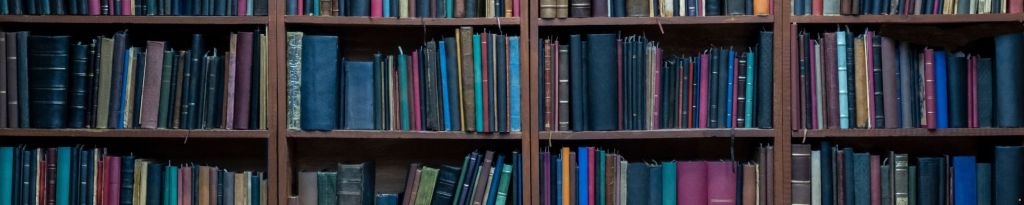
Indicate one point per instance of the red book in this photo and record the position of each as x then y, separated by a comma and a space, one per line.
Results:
101, 180
618, 45
411, 89
590, 176
113, 180
839, 177
816, 7
1014, 6
546, 171
300, 11
735, 92
657, 89
416, 91
485, 83
692, 177
243, 79
186, 184
876, 193
94, 7
813, 88
721, 183
692, 98
929, 88
41, 179
703, 91
51, 176
376, 8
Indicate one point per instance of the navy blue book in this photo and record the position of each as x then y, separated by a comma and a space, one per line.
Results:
965, 180
984, 172
362, 8
957, 89
577, 89
602, 68
984, 92
23, 108
452, 71
471, 8
1009, 89
501, 83
127, 178
713, 8
359, 95
764, 81
929, 176
637, 184
654, 189
848, 181
154, 183
423, 8
862, 178
48, 80
319, 82
77, 86
388, 199
117, 82
1008, 167
826, 176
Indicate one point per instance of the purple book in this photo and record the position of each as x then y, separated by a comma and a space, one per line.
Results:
243, 79
692, 179
721, 183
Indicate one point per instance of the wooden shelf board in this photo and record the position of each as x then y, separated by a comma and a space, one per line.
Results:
908, 19
189, 20
910, 132
380, 21
634, 21
135, 133
378, 134
656, 134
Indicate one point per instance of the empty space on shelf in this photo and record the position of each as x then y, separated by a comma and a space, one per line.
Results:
233, 154
391, 158
745, 149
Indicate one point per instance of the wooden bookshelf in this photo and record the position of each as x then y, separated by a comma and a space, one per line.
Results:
195, 20
909, 133
383, 22
135, 133
907, 19
391, 135
657, 134
641, 21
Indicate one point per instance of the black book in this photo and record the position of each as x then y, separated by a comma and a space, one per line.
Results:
723, 87
48, 80
444, 190
713, 87
93, 84
255, 83
84, 182
602, 61
501, 84
577, 90
851, 79
140, 75
430, 90
193, 76
876, 72
127, 178
77, 85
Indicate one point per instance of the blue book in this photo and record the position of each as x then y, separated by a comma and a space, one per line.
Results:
941, 95
637, 173
929, 187
359, 95
495, 179
64, 176
6, 175
1007, 165
696, 92
444, 86
844, 100
513, 79
965, 180
171, 182
862, 179
668, 183
556, 175
729, 88
654, 185
848, 186
478, 83
319, 82
984, 171
389, 198
403, 100
827, 152
582, 155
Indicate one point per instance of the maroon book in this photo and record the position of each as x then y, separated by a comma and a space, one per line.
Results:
151, 85
929, 87
51, 176
243, 80
794, 85
889, 90
485, 83
840, 176
721, 184
831, 80
876, 193
415, 102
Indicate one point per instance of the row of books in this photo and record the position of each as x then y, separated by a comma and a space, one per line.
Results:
465, 82
849, 80
653, 8
591, 175
905, 7
833, 175
483, 178
607, 82
91, 176
405, 8
108, 83
135, 7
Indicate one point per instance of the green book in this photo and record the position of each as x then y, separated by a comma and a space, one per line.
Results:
913, 186
428, 178
462, 178
403, 87
103, 93
748, 109
668, 183
478, 84
506, 174
165, 89
325, 186
599, 177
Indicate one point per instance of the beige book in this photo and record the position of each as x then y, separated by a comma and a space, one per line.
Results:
204, 186
263, 81
861, 83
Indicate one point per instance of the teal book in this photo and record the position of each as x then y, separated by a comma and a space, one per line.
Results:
748, 109
984, 183
513, 76
599, 177
326, 187
64, 176
668, 183
403, 89
844, 101
478, 83
503, 184
172, 184
913, 186
6, 175
654, 188
861, 177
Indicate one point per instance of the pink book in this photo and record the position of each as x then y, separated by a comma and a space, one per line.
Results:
94, 7
735, 92
868, 53
1013, 6
721, 183
590, 175
376, 8
113, 180
703, 91
515, 8
618, 45
186, 185
692, 177
299, 7
181, 185
241, 7
876, 193
126, 8
813, 88
416, 90
657, 89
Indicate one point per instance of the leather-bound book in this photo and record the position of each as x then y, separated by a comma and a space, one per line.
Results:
721, 183
601, 58
562, 8
957, 90
562, 88
749, 194
359, 94
243, 80
984, 80
801, 174
890, 102
48, 80
452, 68
1009, 90
11, 56
906, 100
1007, 166
764, 81
152, 84
600, 8
581, 8
77, 84
929, 86
901, 179
468, 97
445, 188
429, 89
831, 80
478, 194
320, 84
638, 8
876, 100
861, 72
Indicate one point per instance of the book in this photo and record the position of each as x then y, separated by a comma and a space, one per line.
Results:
319, 82
48, 80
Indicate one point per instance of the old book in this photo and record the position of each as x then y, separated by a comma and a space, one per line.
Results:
243, 80
601, 59
359, 99
562, 90
294, 77
930, 89
763, 114
428, 178
562, 8
320, 82
11, 58
861, 72
581, 9
152, 84
901, 179
1007, 165
1010, 90
444, 191
354, 182
637, 8
326, 188
721, 184
48, 80
481, 181
801, 173
77, 86
831, 80
307, 188
468, 85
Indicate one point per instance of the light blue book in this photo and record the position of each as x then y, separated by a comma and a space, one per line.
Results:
477, 83
444, 86
583, 171
63, 175
748, 110
6, 175
728, 93
387, 8
513, 76
844, 100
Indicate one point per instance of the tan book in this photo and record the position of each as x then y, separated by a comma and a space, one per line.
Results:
129, 100
203, 186
263, 190
263, 82
466, 71
227, 117
106, 62
508, 8
547, 9
861, 82
561, 8
489, 8
749, 184
240, 189
137, 193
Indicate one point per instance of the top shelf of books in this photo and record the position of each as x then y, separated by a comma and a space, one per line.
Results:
908, 19
192, 20
382, 21
643, 21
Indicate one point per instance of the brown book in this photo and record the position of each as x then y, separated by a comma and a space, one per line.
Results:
214, 173
609, 178
325, 7
460, 9
580, 9
479, 192
861, 73
801, 178
638, 8
508, 9
840, 176
749, 184
410, 184
151, 84
846, 7
548, 87
230, 68
243, 80
889, 83
831, 81
411, 195
264, 70
854, 7
468, 102
547, 8
204, 186
762, 175
183, 60
562, 8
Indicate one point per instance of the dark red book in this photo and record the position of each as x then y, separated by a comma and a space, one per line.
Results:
815, 110
657, 89
876, 192
929, 88
840, 176
485, 75
416, 114
590, 176
794, 85
693, 100
51, 176
243, 79
736, 101
618, 45
831, 80
549, 123
816, 7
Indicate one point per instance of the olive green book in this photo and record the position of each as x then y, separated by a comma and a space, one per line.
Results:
428, 178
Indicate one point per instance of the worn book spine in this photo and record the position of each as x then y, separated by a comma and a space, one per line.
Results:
764, 101
320, 83
151, 84
562, 90
581, 9
638, 8
831, 80
930, 89
48, 80
466, 67
77, 84
801, 174
861, 73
